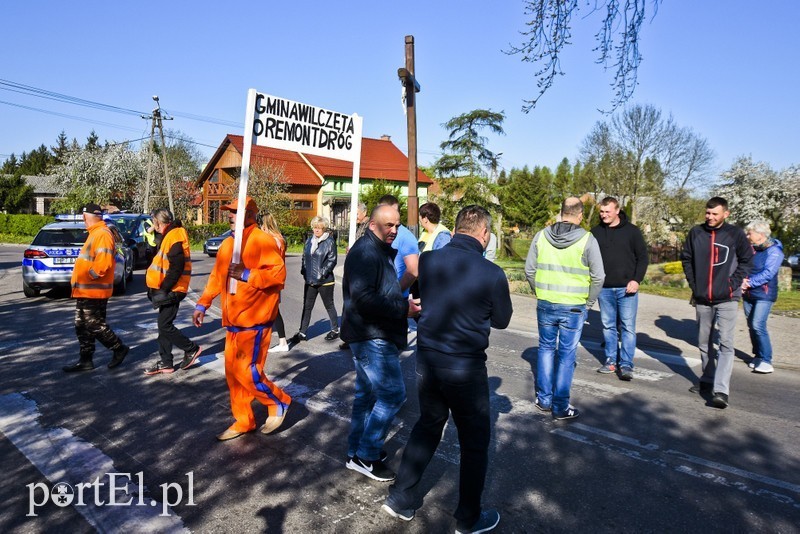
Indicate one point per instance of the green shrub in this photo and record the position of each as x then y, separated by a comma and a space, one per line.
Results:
23, 225
673, 267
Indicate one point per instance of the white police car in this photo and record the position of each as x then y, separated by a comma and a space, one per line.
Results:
49, 260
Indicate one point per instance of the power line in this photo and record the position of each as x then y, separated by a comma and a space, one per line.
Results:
70, 116
59, 97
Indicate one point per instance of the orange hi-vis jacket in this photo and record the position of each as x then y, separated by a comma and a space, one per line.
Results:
160, 265
93, 275
256, 300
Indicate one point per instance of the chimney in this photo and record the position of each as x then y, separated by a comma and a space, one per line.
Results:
385, 137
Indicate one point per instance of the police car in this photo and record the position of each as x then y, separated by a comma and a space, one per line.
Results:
50, 258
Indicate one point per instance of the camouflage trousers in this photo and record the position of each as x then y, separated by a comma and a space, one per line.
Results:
90, 325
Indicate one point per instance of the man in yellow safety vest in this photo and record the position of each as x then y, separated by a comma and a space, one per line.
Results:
565, 270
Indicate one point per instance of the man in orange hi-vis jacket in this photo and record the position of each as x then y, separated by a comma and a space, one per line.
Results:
92, 285
248, 316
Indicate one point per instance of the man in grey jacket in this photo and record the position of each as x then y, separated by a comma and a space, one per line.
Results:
565, 270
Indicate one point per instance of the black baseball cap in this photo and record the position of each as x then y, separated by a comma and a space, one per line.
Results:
92, 208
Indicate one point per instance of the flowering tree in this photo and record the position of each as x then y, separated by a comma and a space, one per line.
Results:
755, 191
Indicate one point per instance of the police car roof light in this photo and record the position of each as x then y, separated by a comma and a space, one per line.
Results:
67, 217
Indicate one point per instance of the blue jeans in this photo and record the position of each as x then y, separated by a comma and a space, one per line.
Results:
618, 314
379, 394
560, 327
757, 313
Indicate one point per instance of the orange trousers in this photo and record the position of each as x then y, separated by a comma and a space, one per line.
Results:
245, 356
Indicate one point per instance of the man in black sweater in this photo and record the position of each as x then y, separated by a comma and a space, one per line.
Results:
462, 296
625, 262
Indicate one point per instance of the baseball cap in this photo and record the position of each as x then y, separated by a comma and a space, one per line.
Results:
250, 205
92, 208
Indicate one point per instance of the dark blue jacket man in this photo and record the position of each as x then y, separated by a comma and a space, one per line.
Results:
462, 296
375, 324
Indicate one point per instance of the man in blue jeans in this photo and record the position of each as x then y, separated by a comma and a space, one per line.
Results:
463, 296
374, 323
565, 270
625, 262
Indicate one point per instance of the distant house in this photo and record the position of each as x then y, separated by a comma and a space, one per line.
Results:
45, 191
318, 185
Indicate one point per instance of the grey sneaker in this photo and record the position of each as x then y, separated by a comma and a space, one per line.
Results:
625, 373
486, 522
763, 368
607, 368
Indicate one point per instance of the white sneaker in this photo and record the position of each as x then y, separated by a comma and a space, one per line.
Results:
763, 368
753, 363
280, 348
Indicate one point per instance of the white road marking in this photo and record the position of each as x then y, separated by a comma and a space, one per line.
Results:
652, 454
62, 457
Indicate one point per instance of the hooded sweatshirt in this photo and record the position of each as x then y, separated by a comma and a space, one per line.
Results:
562, 235
624, 252
764, 276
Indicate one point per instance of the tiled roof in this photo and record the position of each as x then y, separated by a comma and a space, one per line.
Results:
380, 160
43, 184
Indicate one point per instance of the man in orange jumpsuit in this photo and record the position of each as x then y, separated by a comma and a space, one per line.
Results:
248, 316
92, 285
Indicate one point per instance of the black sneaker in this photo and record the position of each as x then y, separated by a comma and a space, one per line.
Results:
383, 457
297, 338
720, 400
159, 368
542, 408
344, 345
80, 366
702, 387
119, 355
190, 357
626, 373
406, 514
486, 522
571, 413
376, 469
333, 334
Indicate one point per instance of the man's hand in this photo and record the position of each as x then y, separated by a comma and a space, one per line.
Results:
414, 308
746, 284
235, 270
632, 287
197, 318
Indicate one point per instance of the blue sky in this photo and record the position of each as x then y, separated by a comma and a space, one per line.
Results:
727, 69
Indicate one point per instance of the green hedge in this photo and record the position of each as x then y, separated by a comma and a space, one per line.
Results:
23, 225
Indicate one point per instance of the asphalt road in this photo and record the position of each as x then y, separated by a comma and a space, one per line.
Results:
645, 456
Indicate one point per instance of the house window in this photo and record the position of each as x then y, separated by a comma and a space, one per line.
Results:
214, 177
303, 205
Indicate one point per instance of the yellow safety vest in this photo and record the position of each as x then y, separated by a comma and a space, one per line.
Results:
561, 276
158, 269
426, 239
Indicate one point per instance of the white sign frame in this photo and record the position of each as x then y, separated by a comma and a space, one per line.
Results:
288, 125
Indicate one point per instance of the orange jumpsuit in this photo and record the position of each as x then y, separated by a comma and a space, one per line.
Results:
248, 317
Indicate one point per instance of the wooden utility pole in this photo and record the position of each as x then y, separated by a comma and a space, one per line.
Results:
412, 87
155, 121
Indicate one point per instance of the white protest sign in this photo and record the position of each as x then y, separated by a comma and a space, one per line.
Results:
284, 124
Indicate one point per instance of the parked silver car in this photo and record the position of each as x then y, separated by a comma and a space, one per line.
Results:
49, 260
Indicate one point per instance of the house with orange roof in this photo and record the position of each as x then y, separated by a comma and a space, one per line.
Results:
317, 185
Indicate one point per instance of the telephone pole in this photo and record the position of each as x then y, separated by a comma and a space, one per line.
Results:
155, 122
411, 88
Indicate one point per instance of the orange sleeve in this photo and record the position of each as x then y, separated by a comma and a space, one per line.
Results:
218, 278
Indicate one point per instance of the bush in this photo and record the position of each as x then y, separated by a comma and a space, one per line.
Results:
23, 225
673, 267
